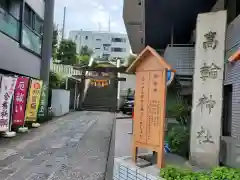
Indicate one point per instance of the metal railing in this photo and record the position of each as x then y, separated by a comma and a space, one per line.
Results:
9, 25
181, 45
64, 70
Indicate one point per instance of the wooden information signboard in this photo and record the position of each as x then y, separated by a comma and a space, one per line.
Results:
150, 102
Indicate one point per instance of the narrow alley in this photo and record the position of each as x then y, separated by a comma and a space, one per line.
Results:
73, 147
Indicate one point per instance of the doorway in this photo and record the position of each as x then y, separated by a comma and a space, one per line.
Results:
227, 111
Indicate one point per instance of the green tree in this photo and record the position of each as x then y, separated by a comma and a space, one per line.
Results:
83, 60
86, 51
56, 81
67, 52
84, 56
181, 112
55, 43
131, 58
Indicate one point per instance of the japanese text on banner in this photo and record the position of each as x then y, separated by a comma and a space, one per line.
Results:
33, 101
7, 89
19, 101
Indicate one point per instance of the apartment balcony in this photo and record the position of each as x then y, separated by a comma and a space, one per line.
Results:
133, 16
20, 47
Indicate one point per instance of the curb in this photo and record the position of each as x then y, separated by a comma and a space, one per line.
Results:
109, 149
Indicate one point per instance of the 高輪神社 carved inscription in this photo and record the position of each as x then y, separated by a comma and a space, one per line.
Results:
207, 102
210, 42
209, 71
204, 136
141, 106
208, 78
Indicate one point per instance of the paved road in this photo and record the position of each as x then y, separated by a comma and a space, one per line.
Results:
74, 147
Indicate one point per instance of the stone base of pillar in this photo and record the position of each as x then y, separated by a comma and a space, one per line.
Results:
204, 160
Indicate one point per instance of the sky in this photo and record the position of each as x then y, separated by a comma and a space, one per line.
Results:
90, 15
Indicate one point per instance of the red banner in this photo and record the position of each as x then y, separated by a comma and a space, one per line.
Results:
19, 101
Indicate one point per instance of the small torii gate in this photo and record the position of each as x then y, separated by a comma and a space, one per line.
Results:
111, 74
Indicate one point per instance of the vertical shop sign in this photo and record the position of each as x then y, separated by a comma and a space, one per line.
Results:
7, 90
19, 101
43, 101
33, 100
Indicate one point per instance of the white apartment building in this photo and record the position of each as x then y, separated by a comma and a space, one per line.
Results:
104, 44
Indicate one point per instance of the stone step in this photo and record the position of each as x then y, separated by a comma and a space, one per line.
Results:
97, 108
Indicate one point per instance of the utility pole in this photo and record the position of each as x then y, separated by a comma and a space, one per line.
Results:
46, 52
64, 21
109, 24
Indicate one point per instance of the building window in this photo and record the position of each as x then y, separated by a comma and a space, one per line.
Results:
38, 25
28, 16
106, 56
123, 40
32, 30
117, 49
106, 47
86, 37
227, 111
97, 48
98, 39
9, 24
32, 20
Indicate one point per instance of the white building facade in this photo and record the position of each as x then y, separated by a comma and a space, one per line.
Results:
104, 44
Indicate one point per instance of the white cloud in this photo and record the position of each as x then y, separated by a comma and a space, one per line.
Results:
101, 17
114, 7
88, 14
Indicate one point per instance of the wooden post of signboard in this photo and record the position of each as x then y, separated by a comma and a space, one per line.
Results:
150, 103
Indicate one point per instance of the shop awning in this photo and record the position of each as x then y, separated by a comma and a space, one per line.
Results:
235, 56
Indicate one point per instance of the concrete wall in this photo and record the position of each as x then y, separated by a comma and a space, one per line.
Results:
129, 83
15, 59
38, 6
218, 6
60, 101
134, 19
206, 116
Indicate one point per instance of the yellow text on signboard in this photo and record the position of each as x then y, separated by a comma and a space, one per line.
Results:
33, 101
